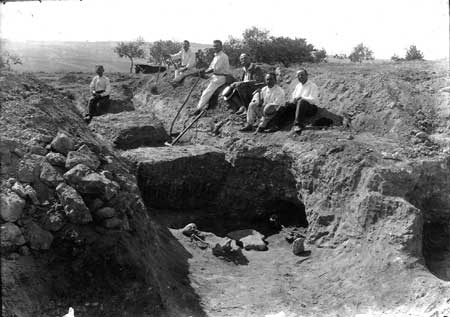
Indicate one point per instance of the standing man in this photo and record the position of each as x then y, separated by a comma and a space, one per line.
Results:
187, 57
220, 67
100, 88
252, 79
305, 99
265, 104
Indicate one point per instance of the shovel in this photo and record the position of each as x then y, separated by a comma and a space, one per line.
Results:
186, 129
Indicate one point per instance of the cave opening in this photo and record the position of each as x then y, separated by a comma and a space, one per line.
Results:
436, 247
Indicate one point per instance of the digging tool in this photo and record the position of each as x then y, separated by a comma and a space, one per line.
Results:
186, 129
182, 106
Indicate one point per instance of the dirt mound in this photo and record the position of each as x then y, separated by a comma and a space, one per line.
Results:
75, 231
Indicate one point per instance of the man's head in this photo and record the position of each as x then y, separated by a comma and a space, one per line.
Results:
302, 75
186, 45
99, 70
217, 45
271, 79
244, 59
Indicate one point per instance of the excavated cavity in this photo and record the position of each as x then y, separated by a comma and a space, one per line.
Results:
436, 248
222, 196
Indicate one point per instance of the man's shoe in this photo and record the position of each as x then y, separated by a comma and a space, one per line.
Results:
272, 129
241, 110
297, 129
87, 118
247, 128
259, 130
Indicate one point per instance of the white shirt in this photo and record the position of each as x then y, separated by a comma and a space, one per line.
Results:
274, 95
101, 83
220, 64
307, 91
187, 58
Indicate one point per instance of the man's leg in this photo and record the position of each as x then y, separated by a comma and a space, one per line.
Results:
304, 109
103, 105
209, 91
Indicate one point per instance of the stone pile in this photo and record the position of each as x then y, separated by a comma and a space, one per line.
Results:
59, 183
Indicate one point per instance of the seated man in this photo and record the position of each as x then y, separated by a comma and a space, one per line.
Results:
252, 79
100, 88
220, 67
187, 57
265, 104
304, 99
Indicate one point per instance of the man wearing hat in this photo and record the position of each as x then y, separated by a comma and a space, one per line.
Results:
304, 99
100, 88
239, 94
265, 104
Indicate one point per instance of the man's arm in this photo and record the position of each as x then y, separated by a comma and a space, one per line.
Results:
313, 95
176, 55
107, 89
92, 85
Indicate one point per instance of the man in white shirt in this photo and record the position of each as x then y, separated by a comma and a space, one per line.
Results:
100, 88
220, 67
305, 99
187, 57
264, 105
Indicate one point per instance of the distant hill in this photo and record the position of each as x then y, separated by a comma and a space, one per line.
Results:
70, 56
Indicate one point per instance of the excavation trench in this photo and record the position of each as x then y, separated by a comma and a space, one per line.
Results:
216, 194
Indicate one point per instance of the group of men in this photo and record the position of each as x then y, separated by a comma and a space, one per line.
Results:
255, 95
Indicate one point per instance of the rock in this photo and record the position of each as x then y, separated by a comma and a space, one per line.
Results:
325, 219
86, 181
95, 204
298, 246
10, 182
24, 250
107, 174
250, 239
56, 159
53, 220
39, 150
38, 238
11, 206
62, 143
13, 256
50, 176
82, 156
19, 189
225, 248
106, 212
189, 229
31, 193
129, 130
11, 236
422, 136
74, 206
112, 223
29, 168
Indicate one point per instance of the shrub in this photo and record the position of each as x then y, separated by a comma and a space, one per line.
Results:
7, 59
361, 53
412, 53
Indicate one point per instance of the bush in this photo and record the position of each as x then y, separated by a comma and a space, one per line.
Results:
361, 53
396, 58
412, 53
320, 56
233, 48
7, 59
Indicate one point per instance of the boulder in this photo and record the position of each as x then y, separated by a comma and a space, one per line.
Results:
53, 221
189, 229
11, 236
62, 143
129, 130
19, 189
50, 176
82, 156
250, 239
83, 179
31, 193
225, 248
74, 206
56, 159
111, 223
105, 212
29, 168
298, 246
39, 150
11, 206
38, 238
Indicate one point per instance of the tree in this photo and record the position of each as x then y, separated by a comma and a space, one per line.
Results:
254, 41
160, 49
412, 53
233, 48
361, 53
320, 55
7, 59
131, 50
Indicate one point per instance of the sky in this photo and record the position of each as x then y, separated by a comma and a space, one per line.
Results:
387, 27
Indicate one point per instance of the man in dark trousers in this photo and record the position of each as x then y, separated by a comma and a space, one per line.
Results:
100, 88
252, 78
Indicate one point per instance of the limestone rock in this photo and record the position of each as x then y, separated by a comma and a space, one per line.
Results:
225, 248
83, 179
11, 206
82, 156
38, 238
105, 212
50, 176
29, 168
112, 223
53, 221
62, 143
298, 246
39, 150
11, 236
19, 189
250, 239
189, 229
56, 159
95, 204
31, 193
74, 206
